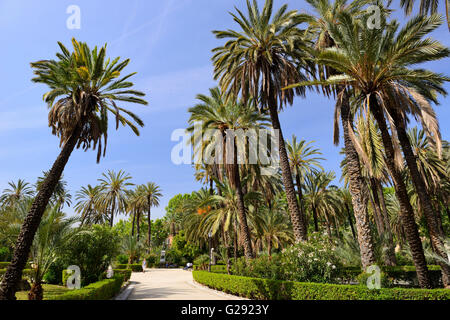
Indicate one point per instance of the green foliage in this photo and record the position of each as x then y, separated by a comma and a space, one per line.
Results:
135, 267
313, 261
92, 250
159, 232
125, 273
152, 260
54, 273
182, 250
5, 255
122, 266
267, 289
101, 290
202, 262
122, 259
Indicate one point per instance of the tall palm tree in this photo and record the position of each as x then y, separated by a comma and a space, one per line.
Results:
374, 62
328, 13
227, 116
84, 89
258, 61
88, 206
151, 192
16, 193
303, 159
113, 191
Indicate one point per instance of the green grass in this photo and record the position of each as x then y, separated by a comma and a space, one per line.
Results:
50, 290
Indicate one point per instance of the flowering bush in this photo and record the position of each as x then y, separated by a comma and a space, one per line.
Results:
313, 261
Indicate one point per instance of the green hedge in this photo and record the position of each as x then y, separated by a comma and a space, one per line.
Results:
126, 273
264, 289
404, 273
102, 290
134, 267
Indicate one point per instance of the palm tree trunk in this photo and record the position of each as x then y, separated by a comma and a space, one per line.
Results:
269, 247
298, 222
391, 260
406, 210
138, 226
149, 234
316, 224
33, 219
300, 197
350, 221
436, 236
113, 208
356, 185
133, 223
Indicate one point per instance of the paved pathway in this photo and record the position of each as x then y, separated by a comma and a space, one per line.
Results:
170, 284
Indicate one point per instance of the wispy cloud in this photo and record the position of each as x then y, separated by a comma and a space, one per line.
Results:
23, 118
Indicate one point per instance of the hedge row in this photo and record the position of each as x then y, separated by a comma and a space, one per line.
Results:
404, 273
102, 290
266, 289
134, 267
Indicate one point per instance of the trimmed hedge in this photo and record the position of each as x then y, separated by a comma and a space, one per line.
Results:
266, 289
404, 273
134, 267
101, 290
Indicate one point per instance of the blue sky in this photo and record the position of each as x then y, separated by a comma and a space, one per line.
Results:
169, 43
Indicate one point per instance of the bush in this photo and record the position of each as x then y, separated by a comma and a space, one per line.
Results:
126, 273
122, 259
152, 260
92, 250
122, 266
5, 255
54, 273
261, 267
135, 267
101, 290
202, 262
264, 289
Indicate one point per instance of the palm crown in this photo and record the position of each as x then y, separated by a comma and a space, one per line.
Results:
85, 87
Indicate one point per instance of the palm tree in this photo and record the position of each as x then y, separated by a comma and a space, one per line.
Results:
151, 192
88, 206
54, 231
379, 75
258, 61
132, 247
61, 195
327, 14
276, 229
426, 7
228, 117
16, 193
113, 192
303, 159
83, 89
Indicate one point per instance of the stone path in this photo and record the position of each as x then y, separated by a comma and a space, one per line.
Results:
170, 284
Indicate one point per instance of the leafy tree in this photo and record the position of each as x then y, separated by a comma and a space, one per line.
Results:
93, 250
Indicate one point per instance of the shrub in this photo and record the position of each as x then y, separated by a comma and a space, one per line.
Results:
101, 290
202, 262
126, 273
92, 250
54, 273
255, 288
261, 267
122, 259
122, 266
5, 255
135, 267
152, 260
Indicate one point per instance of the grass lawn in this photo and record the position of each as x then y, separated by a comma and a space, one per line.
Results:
50, 290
